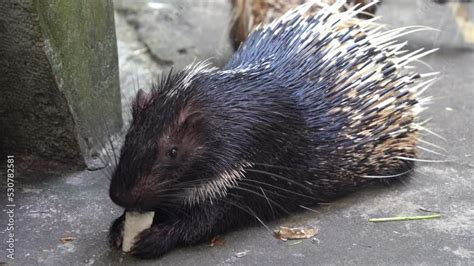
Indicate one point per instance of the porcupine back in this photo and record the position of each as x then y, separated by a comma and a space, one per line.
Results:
361, 99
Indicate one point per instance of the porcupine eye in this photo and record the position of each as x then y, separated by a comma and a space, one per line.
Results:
173, 152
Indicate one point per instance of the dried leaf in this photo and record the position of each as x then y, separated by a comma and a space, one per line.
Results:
287, 233
216, 241
67, 239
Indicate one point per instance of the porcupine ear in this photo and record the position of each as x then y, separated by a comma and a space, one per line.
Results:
190, 117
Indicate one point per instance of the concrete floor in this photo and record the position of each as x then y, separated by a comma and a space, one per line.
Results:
78, 205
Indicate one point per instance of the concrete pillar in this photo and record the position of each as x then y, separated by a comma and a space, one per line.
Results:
59, 84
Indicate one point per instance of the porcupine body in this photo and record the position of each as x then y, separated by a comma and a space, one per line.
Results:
308, 109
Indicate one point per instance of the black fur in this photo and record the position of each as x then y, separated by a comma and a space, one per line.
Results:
275, 110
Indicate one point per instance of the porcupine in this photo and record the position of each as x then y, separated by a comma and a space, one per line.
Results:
311, 107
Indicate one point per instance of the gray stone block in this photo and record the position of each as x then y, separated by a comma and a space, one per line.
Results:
59, 85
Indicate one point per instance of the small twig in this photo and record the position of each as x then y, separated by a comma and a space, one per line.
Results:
426, 210
404, 218
295, 243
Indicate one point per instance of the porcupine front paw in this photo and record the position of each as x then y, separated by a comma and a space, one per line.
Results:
154, 242
116, 232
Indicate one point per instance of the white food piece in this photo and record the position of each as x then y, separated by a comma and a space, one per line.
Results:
135, 223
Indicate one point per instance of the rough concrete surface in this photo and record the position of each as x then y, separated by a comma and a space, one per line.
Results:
78, 205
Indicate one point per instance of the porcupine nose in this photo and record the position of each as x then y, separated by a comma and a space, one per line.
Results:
117, 197
126, 198
122, 197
